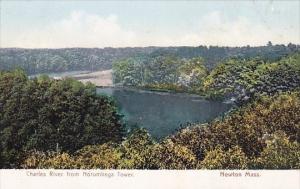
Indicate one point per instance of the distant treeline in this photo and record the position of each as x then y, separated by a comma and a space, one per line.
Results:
71, 59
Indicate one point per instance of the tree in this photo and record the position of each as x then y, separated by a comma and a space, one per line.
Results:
45, 114
192, 74
269, 44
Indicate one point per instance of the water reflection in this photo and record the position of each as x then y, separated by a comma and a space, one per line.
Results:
162, 113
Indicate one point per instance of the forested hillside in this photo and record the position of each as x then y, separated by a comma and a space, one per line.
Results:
74, 59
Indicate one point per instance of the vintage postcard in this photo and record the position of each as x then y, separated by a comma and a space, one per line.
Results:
150, 94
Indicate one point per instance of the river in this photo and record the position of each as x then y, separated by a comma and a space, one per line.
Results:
162, 113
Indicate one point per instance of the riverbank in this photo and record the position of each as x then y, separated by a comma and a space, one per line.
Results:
98, 78
151, 90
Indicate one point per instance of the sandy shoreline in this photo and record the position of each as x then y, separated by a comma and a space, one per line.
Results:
98, 78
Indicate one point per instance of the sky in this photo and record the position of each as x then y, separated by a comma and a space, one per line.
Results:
66, 23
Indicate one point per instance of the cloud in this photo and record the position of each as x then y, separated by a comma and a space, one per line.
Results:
81, 29
214, 29
78, 30
218, 31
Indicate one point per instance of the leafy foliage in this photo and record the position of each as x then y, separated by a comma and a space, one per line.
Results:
138, 151
169, 155
251, 123
244, 79
280, 153
247, 128
54, 160
45, 114
234, 158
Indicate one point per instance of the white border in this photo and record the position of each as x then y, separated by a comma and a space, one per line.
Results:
154, 179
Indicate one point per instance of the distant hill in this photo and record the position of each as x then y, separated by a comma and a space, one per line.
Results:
94, 59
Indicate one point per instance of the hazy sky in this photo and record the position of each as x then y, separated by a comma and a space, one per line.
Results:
57, 24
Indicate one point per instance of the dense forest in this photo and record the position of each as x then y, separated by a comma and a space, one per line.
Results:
46, 123
92, 59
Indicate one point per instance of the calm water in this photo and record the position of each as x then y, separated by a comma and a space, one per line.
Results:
162, 113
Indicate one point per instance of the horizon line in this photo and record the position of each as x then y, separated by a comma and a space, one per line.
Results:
152, 46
